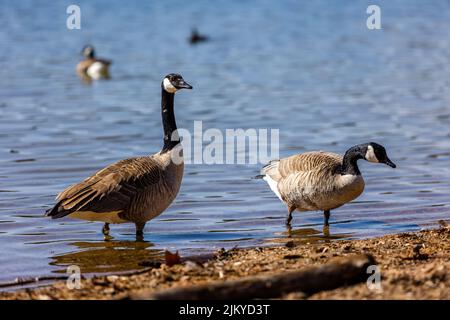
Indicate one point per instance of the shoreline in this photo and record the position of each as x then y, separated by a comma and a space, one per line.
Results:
413, 265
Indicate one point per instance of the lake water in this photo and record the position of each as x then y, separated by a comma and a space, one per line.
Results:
311, 69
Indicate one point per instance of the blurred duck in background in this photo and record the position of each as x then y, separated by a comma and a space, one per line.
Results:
92, 68
196, 37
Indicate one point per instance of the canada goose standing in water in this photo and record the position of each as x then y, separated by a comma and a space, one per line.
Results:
196, 37
92, 67
320, 180
131, 190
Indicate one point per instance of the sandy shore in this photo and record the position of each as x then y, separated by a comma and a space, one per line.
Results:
412, 265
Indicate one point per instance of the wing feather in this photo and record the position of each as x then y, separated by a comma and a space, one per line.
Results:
287, 177
304, 162
110, 189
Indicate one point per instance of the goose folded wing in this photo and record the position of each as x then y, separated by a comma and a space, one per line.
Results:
305, 175
82, 66
309, 161
110, 189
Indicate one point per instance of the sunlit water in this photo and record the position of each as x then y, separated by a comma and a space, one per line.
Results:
311, 69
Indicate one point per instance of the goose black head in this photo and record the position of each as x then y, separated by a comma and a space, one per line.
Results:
375, 152
174, 82
88, 51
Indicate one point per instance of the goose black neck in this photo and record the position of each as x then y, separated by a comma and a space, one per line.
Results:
168, 120
349, 163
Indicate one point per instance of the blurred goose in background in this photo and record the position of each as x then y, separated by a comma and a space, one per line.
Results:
136, 189
196, 37
321, 180
92, 67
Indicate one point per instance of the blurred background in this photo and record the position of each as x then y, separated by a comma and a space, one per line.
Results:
311, 69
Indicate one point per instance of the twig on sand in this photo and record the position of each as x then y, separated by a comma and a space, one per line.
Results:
340, 272
31, 280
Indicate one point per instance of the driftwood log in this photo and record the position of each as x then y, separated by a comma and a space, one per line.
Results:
339, 272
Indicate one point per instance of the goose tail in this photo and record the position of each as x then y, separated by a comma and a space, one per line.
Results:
56, 212
270, 173
272, 165
259, 176
266, 169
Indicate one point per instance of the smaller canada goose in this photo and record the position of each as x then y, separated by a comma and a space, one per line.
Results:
321, 180
91, 66
196, 37
136, 189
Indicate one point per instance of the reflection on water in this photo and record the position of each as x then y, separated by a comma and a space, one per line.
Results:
308, 236
315, 72
107, 256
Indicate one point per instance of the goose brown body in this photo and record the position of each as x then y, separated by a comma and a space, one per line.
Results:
131, 190
312, 181
102, 70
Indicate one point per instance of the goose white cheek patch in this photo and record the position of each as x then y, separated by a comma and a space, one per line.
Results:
168, 86
370, 155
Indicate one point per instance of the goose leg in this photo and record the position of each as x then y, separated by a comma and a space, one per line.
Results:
326, 225
140, 231
326, 216
289, 217
105, 231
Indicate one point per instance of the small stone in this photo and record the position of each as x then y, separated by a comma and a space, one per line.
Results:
290, 244
109, 290
150, 263
185, 278
168, 277
220, 263
418, 247
112, 278
292, 256
191, 266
